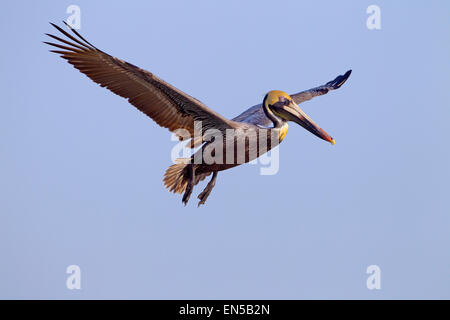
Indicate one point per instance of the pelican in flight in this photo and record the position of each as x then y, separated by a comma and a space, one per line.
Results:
179, 112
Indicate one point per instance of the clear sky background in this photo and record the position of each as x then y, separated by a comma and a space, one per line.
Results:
81, 170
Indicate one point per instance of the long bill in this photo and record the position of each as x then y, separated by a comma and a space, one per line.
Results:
298, 116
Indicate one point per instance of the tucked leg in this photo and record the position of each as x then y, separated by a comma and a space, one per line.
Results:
205, 193
190, 186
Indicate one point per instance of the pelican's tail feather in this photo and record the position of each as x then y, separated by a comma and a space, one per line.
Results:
177, 176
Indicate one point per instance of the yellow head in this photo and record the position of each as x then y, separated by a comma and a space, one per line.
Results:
280, 108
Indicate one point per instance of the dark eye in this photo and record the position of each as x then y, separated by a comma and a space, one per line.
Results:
287, 102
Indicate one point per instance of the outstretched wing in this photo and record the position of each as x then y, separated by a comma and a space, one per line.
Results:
255, 115
165, 104
318, 91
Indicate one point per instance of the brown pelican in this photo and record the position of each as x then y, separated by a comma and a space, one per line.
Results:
180, 113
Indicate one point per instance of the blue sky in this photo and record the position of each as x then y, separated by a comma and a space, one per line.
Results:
81, 170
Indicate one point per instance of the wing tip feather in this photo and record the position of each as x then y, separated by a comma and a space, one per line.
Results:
340, 80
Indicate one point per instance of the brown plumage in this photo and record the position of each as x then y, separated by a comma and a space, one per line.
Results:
165, 104
179, 112
176, 177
